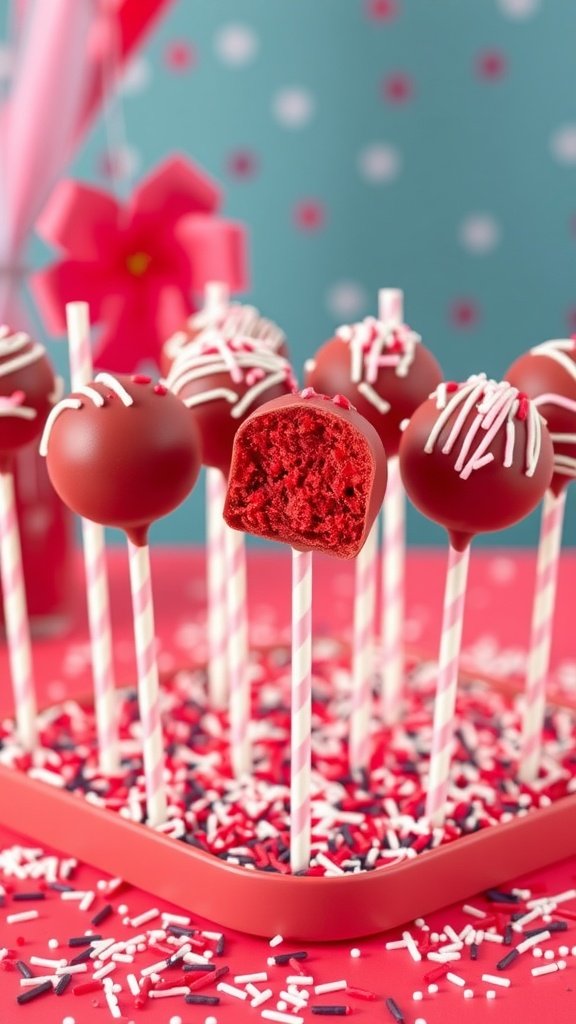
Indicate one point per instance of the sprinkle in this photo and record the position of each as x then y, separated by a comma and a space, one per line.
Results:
63, 984
104, 971
30, 982
417, 996
84, 940
26, 915
24, 896
493, 979
262, 997
34, 993
468, 993
331, 1011
300, 979
231, 990
87, 902
148, 915
281, 1018
455, 979
276, 941
284, 958
507, 960
159, 389
330, 986
24, 969
473, 911
548, 968
178, 990
72, 969
195, 1000
394, 1010
412, 947
355, 953
141, 378
87, 986
241, 979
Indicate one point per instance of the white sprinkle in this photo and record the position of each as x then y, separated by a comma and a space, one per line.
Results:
433, 989
455, 979
412, 947
26, 915
330, 986
263, 997
133, 985
87, 902
443, 958
532, 941
231, 990
549, 954
396, 944
153, 968
492, 937
495, 979
417, 996
42, 961
195, 958
53, 944
241, 979
276, 941
468, 993
72, 896
299, 979
282, 1018
165, 993
212, 935
544, 969
107, 969
141, 919
72, 969
30, 982
122, 958
449, 931
563, 950
179, 919
355, 953
490, 994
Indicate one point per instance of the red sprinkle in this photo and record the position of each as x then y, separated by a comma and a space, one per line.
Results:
360, 993
141, 378
87, 986
159, 389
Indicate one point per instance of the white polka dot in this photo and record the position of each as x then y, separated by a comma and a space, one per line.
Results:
6, 63
346, 299
379, 163
136, 77
518, 8
293, 107
236, 45
479, 233
502, 570
563, 144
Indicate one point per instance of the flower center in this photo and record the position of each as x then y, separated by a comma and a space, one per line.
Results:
137, 263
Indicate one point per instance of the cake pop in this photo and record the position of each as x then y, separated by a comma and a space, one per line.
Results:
122, 452
384, 371
222, 379
476, 457
547, 375
309, 471
230, 320
28, 390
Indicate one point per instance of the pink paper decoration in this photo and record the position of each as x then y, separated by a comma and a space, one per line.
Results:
139, 265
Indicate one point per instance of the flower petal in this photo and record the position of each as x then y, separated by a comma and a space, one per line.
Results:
80, 219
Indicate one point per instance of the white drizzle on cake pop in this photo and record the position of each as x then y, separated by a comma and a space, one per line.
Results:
243, 359
557, 350
93, 395
235, 319
497, 406
373, 346
13, 354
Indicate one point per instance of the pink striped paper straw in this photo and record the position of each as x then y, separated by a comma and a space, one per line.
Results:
16, 616
391, 314
94, 546
216, 588
363, 652
148, 689
541, 635
447, 685
240, 752
301, 714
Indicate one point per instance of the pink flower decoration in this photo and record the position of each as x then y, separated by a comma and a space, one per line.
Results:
139, 265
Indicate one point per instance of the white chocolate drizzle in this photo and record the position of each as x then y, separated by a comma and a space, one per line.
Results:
114, 384
17, 350
497, 408
374, 346
235, 319
243, 360
66, 403
557, 349
93, 395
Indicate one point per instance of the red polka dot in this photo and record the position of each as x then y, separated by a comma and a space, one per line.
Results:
180, 55
464, 313
381, 10
309, 215
242, 163
491, 65
398, 88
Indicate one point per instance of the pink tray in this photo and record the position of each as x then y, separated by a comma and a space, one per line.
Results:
312, 909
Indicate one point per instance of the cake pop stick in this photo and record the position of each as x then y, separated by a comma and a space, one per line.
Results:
363, 652
474, 457
300, 735
123, 453
547, 374
28, 390
391, 314
237, 623
94, 547
310, 472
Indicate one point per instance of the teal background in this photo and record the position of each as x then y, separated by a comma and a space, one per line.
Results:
499, 148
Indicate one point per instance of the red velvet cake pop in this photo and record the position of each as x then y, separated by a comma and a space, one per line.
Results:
309, 471
122, 452
384, 371
547, 374
222, 380
28, 390
476, 457
230, 320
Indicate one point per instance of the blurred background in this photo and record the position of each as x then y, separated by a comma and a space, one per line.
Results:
429, 146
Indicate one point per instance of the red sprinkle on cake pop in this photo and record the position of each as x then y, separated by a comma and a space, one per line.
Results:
222, 379
385, 372
28, 391
309, 471
230, 320
547, 374
122, 452
476, 457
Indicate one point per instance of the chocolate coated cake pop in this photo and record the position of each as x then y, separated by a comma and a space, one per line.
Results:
122, 452
385, 372
547, 374
28, 391
222, 380
476, 457
309, 471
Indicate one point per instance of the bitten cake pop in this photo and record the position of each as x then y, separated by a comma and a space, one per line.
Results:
28, 390
122, 452
309, 471
229, 320
547, 374
474, 457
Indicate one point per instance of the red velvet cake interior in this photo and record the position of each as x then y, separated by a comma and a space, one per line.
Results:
304, 476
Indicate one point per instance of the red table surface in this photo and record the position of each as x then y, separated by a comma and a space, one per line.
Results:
498, 613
